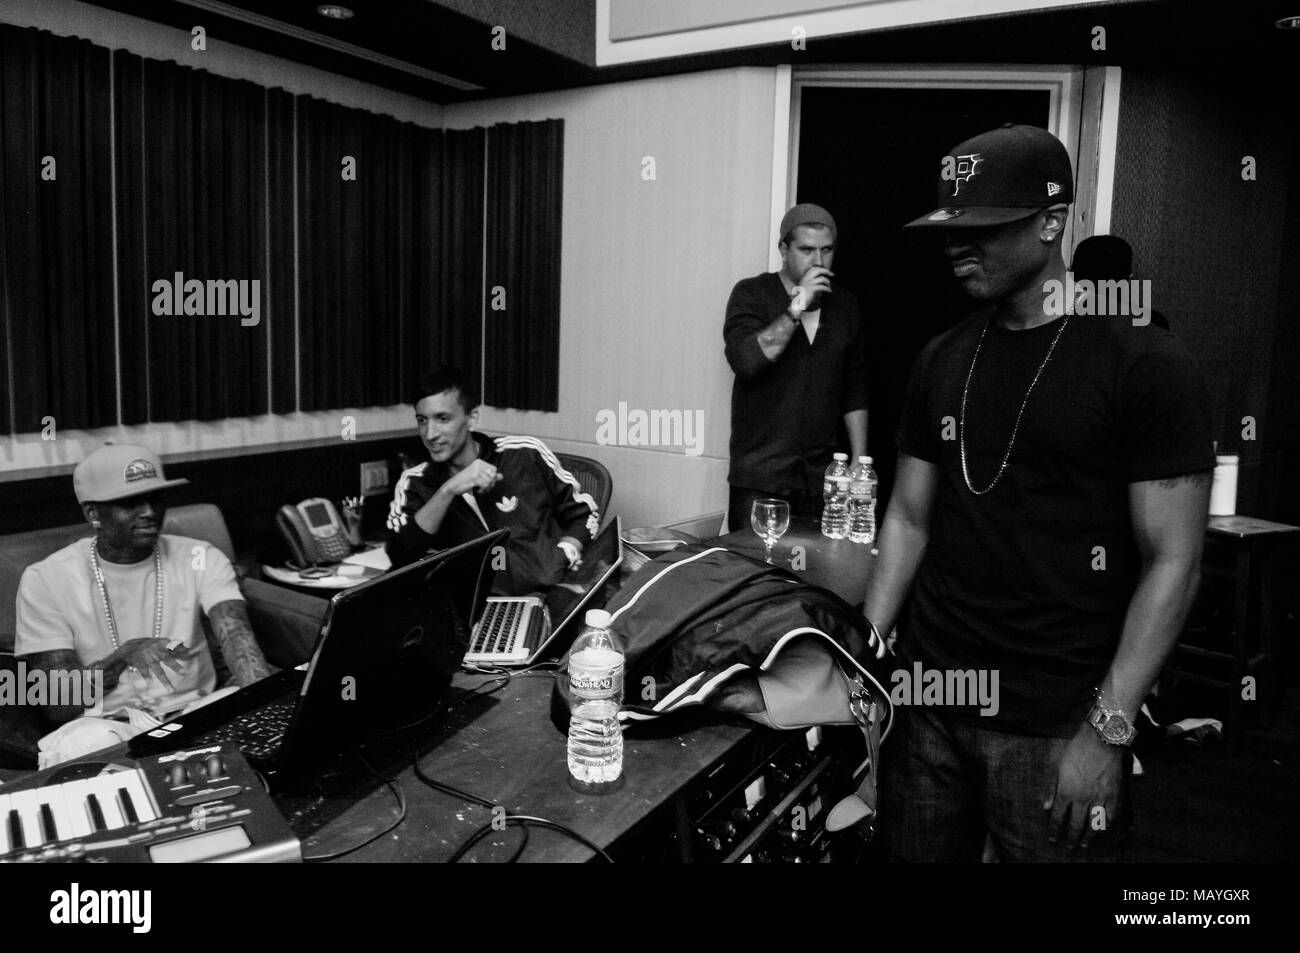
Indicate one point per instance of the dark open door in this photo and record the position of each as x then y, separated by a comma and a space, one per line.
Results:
871, 156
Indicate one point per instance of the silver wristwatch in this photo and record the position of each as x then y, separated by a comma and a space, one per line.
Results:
1111, 723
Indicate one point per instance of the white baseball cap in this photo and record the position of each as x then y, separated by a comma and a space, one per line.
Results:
118, 470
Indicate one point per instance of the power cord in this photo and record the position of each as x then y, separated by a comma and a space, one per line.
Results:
524, 821
401, 816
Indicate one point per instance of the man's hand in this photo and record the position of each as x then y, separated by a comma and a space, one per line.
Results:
816, 281
478, 476
154, 657
1088, 778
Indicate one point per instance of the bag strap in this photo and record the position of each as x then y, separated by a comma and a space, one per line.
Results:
859, 810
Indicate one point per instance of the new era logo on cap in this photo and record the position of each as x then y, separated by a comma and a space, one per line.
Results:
1053, 188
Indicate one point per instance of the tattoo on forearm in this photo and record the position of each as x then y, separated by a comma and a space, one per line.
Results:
1201, 477
777, 334
66, 660
234, 633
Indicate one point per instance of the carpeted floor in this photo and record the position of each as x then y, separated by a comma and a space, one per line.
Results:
1198, 804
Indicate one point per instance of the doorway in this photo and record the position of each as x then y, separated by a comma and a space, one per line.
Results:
868, 150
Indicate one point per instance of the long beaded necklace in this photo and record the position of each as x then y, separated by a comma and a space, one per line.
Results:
961, 439
108, 607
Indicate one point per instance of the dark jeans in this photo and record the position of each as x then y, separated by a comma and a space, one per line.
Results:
947, 782
742, 501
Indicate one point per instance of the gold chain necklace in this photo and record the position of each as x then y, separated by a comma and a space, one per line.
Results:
108, 607
961, 437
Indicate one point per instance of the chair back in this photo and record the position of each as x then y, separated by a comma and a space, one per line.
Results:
592, 477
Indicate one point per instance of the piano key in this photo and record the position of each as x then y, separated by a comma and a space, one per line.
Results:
74, 799
132, 783
104, 786
95, 811
24, 802
4, 824
49, 833
54, 799
13, 825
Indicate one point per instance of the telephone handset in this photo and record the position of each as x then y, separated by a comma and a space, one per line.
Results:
313, 531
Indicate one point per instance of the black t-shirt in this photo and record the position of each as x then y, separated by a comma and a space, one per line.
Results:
1011, 580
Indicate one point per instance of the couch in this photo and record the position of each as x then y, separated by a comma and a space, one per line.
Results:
285, 621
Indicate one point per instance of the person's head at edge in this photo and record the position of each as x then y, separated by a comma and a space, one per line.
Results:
1004, 198
446, 411
122, 492
807, 241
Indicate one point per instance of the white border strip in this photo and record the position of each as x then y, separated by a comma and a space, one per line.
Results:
869, 15
1107, 147
781, 154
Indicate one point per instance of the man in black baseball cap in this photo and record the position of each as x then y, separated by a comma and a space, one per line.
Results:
1053, 484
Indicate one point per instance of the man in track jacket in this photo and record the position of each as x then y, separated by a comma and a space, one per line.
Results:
474, 484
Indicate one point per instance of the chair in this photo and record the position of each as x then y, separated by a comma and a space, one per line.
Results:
592, 477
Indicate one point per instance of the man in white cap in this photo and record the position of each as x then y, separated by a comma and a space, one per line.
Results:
795, 343
123, 607
1044, 534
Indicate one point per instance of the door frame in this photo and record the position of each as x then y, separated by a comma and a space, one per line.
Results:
1083, 112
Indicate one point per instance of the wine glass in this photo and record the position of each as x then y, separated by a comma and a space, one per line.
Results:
770, 519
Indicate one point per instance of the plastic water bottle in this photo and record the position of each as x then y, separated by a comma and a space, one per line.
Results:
596, 694
862, 501
835, 515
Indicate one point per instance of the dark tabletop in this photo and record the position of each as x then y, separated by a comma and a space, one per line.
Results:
835, 564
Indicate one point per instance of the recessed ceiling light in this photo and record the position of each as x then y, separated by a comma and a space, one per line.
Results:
334, 12
1288, 23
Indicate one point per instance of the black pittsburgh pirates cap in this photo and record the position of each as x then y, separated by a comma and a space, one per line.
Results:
1000, 176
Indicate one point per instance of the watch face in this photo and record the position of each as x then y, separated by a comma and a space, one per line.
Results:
1114, 729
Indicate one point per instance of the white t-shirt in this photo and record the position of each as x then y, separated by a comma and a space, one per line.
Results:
810, 321
59, 607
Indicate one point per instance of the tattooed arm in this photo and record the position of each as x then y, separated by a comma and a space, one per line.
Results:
234, 633
772, 340
58, 661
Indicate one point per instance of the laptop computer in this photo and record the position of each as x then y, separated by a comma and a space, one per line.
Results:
523, 630
384, 658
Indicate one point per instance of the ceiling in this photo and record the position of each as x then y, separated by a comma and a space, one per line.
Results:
442, 50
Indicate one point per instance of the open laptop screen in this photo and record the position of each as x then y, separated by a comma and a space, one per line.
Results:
388, 648
572, 589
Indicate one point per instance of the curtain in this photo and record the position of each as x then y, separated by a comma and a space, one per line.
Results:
451, 331
55, 233
354, 208
282, 322
525, 174
202, 185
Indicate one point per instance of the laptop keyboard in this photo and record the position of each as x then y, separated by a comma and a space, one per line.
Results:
258, 733
500, 630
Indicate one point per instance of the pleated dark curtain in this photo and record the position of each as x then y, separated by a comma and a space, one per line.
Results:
199, 194
452, 331
282, 320
522, 341
57, 344
354, 193
377, 247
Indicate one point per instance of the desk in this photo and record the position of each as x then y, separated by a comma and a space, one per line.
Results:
1252, 543
835, 564
505, 749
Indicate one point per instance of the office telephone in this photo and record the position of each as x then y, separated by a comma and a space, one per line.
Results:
313, 532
